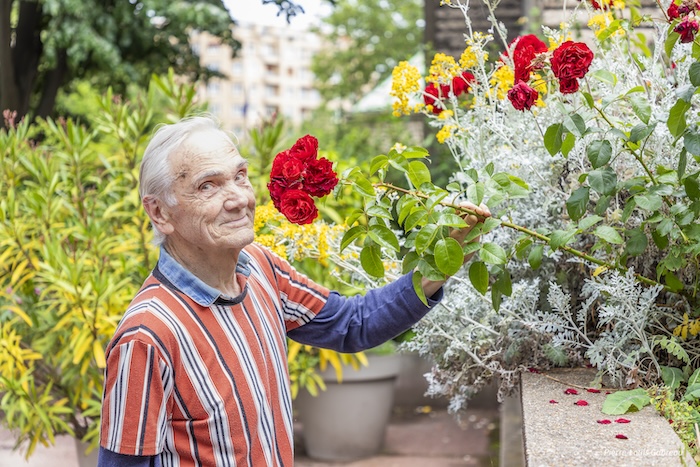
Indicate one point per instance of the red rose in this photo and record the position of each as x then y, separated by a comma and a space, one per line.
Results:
673, 12
571, 60
461, 83
306, 147
433, 94
687, 30
568, 86
288, 166
522, 96
298, 207
526, 49
319, 178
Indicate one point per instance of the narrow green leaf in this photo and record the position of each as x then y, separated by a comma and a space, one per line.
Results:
415, 152
560, 238
350, 235
479, 276
670, 42
379, 162
451, 220
605, 76
425, 237
417, 282
362, 186
676, 118
589, 221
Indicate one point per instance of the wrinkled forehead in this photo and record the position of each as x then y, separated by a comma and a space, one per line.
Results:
203, 150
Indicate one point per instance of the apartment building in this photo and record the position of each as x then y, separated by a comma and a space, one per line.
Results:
270, 74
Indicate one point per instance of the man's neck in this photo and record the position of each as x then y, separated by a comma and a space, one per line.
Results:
218, 271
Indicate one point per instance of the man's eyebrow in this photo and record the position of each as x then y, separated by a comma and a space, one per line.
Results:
217, 172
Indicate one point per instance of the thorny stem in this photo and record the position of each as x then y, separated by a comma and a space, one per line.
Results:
530, 233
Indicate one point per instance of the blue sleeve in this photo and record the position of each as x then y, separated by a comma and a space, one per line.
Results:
352, 324
107, 458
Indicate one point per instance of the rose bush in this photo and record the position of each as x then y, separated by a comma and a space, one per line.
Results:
591, 255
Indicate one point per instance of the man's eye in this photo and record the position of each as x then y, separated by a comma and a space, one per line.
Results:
206, 186
241, 176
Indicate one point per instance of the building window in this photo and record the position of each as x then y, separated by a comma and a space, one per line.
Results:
236, 68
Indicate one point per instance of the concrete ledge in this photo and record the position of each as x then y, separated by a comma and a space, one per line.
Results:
563, 433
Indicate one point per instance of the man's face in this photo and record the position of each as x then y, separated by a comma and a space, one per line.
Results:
215, 200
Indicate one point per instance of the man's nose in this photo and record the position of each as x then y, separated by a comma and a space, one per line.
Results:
235, 196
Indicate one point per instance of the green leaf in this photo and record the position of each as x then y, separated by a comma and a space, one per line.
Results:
415, 152
603, 180
575, 124
670, 42
425, 237
641, 131
417, 281
691, 142
553, 138
694, 378
418, 173
371, 260
448, 256
479, 276
383, 236
492, 253
414, 219
535, 256
676, 118
362, 186
609, 234
568, 144
379, 211
694, 74
379, 162
649, 202
350, 235
409, 262
589, 221
577, 203
605, 76
451, 220
475, 192
637, 242
672, 376
692, 187
599, 153
621, 402
560, 238
641, 107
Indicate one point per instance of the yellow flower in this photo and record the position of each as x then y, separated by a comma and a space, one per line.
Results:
405, 80
445, 114
442, 69
600, 22
471, 57
445, 133
271, 242
501, 81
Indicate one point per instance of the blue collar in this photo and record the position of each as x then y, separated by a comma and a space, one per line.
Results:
195, 288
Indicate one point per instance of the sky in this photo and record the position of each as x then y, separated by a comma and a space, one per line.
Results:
253, 11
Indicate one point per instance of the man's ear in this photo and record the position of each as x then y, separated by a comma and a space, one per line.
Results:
158, 212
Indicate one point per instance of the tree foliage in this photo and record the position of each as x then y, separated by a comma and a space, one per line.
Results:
47, 44
370, 38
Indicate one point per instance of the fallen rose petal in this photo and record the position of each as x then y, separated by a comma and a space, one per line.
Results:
621, 436
553, 402
571, 391
622, 420
533, 370
605, 421
595, 391
581, 403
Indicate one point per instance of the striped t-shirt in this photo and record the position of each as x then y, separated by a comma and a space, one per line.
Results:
201, 379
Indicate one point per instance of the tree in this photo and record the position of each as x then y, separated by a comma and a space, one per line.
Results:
47, 44
370, 38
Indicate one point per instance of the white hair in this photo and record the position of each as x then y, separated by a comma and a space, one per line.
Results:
156, 177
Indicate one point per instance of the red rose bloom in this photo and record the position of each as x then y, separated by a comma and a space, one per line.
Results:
433, 94
571, 60
568, 86
306, 147
526, 49
522, 96
319, 178
462, 83
687, 30
298, 207
289, 167
673, 12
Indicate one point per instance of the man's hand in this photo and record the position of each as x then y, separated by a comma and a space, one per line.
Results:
480, 213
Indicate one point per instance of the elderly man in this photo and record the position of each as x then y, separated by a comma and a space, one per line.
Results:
197, 371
